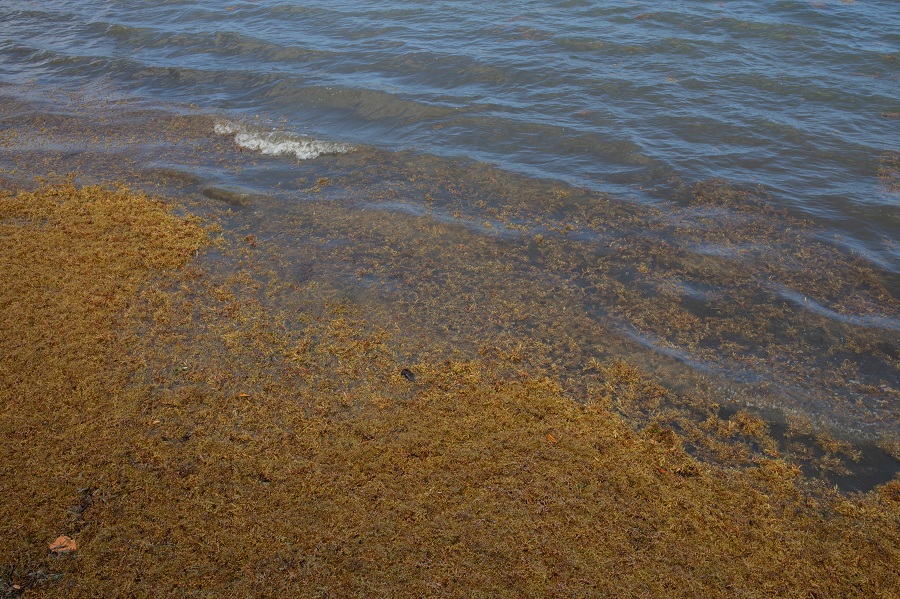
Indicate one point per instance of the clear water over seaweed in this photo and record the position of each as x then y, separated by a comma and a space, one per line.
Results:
583, 135
801, 96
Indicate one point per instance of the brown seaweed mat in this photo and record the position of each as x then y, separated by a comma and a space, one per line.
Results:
182, 439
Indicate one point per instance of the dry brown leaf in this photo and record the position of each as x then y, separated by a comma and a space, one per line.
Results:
63, 544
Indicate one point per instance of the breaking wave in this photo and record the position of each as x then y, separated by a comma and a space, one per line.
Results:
279, 143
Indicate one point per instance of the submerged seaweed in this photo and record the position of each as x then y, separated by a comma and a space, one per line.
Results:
387, 374
200, 425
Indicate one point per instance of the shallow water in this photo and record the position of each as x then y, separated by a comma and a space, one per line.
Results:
800, 96
524, 172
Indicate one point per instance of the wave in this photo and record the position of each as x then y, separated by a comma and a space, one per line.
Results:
279, 143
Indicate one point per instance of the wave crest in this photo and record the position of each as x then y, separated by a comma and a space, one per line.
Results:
279, 143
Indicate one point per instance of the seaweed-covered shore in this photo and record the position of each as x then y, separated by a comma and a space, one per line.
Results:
191, 435
380, 373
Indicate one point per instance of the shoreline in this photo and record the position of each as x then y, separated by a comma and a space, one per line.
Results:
716, 294
199, 423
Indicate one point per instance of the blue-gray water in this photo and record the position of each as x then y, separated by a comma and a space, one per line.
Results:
635, 99
801, 96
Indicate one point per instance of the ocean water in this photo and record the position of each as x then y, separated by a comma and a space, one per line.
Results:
713, 184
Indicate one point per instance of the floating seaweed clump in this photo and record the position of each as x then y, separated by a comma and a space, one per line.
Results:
189, 435
889, 171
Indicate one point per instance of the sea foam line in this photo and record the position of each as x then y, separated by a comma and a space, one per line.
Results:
279, 143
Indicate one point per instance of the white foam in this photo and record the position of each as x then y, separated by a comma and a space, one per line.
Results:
279, 143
